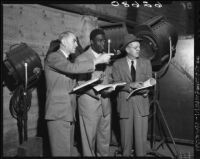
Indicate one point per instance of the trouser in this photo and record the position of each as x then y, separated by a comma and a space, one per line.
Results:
136, 126
95, 130
61, 137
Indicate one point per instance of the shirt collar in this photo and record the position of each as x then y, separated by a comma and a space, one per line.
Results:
96, 55
66, 55
129, 61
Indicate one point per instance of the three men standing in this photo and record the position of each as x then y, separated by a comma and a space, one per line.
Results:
94, 107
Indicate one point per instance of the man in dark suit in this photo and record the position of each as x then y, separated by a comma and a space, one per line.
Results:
133, 113
60, 105
95, 107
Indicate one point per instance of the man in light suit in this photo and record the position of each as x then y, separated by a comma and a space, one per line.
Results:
94, 107
133, 113
60, 105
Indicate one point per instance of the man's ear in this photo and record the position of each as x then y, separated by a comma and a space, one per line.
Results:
91, 42
126, 49
62, 41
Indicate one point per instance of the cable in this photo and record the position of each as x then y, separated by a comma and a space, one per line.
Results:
19, 105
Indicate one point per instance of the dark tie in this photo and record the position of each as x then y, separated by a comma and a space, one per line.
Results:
132, 71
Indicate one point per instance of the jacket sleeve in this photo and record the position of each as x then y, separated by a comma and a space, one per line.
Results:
60, 64
82, 78
149, 69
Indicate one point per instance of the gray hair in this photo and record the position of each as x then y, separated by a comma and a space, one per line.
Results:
64, 34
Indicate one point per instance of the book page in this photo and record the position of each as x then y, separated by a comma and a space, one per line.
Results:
85, 84
100, 87
148, 83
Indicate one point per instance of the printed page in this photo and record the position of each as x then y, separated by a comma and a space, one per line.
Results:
148, 83
100, 87
84, 84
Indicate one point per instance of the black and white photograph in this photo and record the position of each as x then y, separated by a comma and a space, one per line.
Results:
113, 79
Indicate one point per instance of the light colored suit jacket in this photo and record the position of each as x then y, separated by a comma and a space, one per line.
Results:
87, 104
121, 73
59, 73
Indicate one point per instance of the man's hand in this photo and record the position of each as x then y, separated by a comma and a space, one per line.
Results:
135, 85
144, 92
103, 58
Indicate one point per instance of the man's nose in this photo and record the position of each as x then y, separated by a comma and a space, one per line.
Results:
76, 44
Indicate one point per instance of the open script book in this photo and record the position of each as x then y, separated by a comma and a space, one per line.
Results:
148, 83
86, 84
100, 87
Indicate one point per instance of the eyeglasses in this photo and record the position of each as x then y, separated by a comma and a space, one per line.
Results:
134, 47
74, 40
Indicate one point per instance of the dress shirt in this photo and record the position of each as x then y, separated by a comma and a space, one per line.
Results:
129, 63
96, 55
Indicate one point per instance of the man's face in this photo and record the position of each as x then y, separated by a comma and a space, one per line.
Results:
70, 43
133, 49
98, 44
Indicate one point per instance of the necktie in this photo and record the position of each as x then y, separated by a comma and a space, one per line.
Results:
132, 71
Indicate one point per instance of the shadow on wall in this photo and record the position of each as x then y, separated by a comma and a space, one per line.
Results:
42, 130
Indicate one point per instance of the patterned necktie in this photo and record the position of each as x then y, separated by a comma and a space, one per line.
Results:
132, 71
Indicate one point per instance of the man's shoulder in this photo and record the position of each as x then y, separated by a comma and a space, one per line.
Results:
119, 61
55, 54
84, 55
145, 60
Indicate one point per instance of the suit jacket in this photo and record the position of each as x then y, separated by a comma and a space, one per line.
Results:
59, 73
121, 73
87, 104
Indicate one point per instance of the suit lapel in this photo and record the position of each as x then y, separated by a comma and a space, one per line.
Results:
126, 69
138, 69
62, 54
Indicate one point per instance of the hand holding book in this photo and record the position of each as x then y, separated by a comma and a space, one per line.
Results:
142, 85
84, 85
113, 86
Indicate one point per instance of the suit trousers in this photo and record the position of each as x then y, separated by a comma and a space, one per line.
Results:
136, 126
61, 136
95, 129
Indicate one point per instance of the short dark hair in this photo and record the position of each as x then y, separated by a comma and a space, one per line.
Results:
96, 32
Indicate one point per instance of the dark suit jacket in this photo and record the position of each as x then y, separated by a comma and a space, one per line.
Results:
59, 73
121, 73
87, 104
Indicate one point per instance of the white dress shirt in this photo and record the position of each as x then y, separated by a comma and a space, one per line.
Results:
129, 62
96, 55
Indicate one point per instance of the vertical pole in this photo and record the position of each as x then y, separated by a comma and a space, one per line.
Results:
25, 102
154, 113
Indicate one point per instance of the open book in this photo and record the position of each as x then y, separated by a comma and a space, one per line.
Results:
148, 83
100, 87
82, 86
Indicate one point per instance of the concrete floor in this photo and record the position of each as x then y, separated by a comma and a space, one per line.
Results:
182, 151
